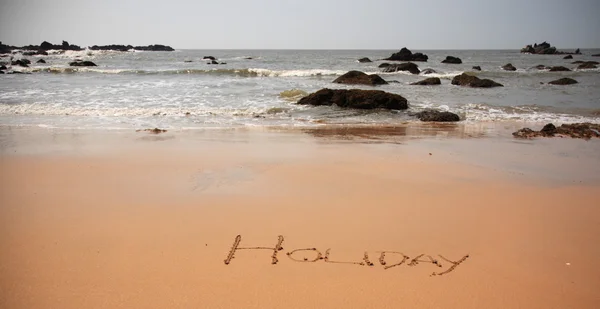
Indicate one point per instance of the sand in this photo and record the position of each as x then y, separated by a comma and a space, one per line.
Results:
134, 220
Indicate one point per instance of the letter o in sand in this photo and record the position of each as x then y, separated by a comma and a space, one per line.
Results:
318, 257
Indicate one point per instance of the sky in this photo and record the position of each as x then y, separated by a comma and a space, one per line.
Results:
306, 24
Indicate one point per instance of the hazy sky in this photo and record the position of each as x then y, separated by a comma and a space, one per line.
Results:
306, 24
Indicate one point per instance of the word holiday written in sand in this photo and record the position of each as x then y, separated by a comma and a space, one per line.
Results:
317, 256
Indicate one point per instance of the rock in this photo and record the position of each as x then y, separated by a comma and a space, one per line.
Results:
153, 131
355, 98
577, 52
114, 47
384, 65
223, 63
80, 63
576, 130
408, 66
477, 68
429, 81
209, 57
155, 47
48, 46
596, 55
364, 60
212, 62
563, 81
41, 61
437, 116
587, 65
187, 61
3, 67
406, 55
428, 71
22, 62
248, 58
453, 60
508, 67
473, 81
559, 69
581, 62
360, 78
568, 57
540, 67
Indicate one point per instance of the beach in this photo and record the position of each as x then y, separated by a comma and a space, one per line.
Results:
473, 217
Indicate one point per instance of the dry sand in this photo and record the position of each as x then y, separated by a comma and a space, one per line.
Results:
133, 220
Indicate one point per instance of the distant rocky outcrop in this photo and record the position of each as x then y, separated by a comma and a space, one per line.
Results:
545, 49
408, 66
123, 48
563, 81
453, 60
360, 78
575, 130
355, 98
473, 81
559, 69
437, 116
477, 68
428, 82
364, 60
80, 63
406, 55
509, 67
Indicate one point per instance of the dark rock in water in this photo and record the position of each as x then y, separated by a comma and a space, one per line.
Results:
473, 81
187, 61
563, 81
355, 98
209, 57
437, 116
408, 66
153, 131
508, 67
559, 69
568, 57
48, 46
3, 67
428, 71
477, 68
22, 62
587, 65
428, 82
113, 47
212, 62
581, 62
80, 63
360, 78
41, 61
576, 130
406, 55
577, 52
248, 58
223, 63
451, 59
384, 65
540, 67
364, 60
543, 49
596, 55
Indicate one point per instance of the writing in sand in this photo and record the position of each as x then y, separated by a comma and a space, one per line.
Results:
316, 255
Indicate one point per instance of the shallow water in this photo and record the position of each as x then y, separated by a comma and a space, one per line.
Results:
161, 89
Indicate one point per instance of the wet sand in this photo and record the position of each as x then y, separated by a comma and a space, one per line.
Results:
135, 220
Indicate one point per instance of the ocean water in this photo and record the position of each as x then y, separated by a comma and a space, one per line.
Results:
163, 89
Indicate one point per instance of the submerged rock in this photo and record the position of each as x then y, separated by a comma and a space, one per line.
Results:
428, 71
80, 63
563, 81
355, 98
364, 60
568, 57
474, 81
21, 62
451, 59
360, 78
540, 67
429, 81
41, 61
596, 55
509, 67
559, 69
437, 116
575, 130
587, 65
406, 55
581, 62
477, 68
408, 66
153, 131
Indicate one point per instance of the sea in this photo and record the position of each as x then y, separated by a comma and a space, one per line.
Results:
259, 88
